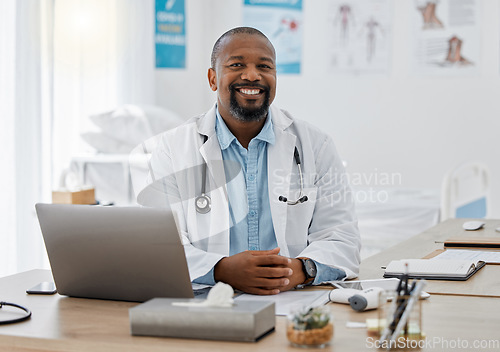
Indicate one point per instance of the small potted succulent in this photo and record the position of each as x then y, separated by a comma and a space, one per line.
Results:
310, 327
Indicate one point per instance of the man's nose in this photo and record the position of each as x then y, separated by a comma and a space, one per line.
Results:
251, 73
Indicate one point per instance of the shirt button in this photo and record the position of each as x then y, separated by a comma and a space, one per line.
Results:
252, 213
251, 177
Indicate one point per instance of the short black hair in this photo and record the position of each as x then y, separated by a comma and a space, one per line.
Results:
231, 32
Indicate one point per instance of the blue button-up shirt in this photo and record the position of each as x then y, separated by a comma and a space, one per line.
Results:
252, 226
253, 229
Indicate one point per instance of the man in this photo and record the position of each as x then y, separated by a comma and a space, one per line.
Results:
247, 230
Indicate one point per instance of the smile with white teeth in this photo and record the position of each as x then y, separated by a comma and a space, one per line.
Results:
250, 91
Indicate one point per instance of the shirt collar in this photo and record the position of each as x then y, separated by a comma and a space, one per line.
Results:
226, 137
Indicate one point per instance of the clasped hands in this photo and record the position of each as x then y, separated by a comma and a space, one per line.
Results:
260, 272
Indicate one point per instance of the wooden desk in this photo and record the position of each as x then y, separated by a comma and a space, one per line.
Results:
72, 324
484, 283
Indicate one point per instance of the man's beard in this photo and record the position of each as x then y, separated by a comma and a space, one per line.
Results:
248, 114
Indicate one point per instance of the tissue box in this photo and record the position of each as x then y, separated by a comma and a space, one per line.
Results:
244, 321
84, 196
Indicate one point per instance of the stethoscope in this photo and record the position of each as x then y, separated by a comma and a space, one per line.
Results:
203, 203
302, 198
26, 315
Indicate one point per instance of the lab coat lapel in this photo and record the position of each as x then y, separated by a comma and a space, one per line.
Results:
216, 187
212, 157
280, 162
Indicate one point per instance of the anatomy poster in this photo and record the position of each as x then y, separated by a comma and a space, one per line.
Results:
281, 22
446, 38
359, 35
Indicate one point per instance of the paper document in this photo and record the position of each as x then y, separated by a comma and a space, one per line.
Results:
285, 301
485, 256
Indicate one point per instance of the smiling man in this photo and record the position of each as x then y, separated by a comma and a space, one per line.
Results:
243, 93
287, 218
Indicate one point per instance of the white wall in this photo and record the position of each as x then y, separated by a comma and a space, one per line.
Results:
418, 127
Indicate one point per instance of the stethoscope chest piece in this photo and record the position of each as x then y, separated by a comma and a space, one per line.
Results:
202, 204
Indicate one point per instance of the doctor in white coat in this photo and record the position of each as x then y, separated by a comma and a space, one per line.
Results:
250, 212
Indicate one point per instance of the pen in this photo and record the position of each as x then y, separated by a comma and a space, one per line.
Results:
401, 304
415, 295
398, 289
388, 330
406, 294
413, 286
405, 278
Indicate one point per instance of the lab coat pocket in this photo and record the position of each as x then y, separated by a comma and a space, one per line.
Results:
299, 217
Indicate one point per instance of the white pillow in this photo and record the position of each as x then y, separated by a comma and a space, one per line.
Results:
133, 124
105, 144
160, 119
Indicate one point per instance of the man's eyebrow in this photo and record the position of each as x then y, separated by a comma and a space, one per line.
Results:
239, 57
235, 58
265, 58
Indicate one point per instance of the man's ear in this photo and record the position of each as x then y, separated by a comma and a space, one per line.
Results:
212, 79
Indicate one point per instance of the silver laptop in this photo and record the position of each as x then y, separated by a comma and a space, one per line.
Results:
118, 253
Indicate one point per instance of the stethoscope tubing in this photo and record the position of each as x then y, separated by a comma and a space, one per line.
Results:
15, 320
203, 203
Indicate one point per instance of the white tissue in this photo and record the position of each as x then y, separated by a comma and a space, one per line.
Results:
221, 295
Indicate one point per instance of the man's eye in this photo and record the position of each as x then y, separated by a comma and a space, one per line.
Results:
236, 65
265, 66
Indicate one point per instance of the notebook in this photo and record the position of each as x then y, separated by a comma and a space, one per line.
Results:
116, 253
481, 242
434, 269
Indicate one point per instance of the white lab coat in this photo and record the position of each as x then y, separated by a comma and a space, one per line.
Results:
324, 228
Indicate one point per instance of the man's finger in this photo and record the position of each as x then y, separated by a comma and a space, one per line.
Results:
269, 283
262, 291
266, 252
273, 272
271, 260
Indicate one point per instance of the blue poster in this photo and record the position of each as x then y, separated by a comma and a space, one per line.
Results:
170, 34
281, 22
